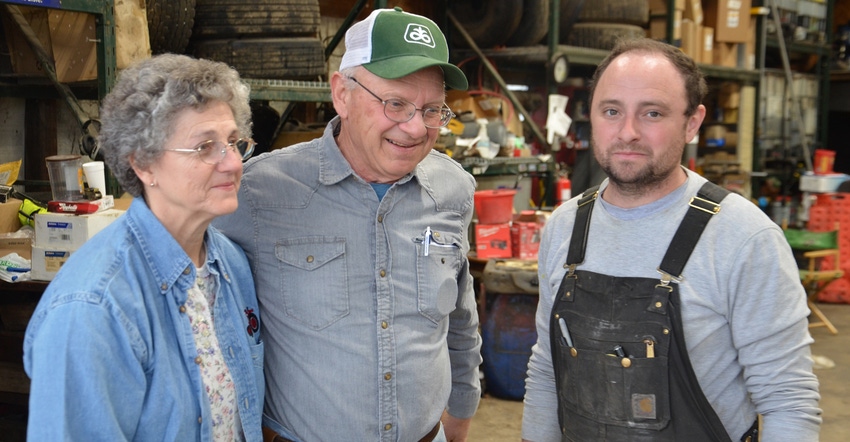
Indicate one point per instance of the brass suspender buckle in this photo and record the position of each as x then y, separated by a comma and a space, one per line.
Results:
666, 278
705, 205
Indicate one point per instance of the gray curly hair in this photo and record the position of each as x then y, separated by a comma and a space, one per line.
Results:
137, 115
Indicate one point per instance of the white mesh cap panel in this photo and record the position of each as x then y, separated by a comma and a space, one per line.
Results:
358, 42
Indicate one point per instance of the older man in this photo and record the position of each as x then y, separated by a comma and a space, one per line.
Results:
358, 243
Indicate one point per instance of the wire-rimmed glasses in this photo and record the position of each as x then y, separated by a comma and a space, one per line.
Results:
213, 152
402, 111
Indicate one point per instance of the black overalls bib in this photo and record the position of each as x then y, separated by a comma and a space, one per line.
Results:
621, 367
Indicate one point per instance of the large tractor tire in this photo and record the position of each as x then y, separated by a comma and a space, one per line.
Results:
534, 24
296, 58
630, 12
489, 23
217, 19
602, 35
170, 24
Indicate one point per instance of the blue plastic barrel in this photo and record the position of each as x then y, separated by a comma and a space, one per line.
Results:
507, 329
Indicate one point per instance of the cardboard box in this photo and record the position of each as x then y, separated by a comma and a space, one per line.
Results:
707, 49
810, 182
480, 105
493, 240
46, 261
729, 95
725, 54
658, 28
68, 232
729, 18
9, 222
691, 39
525, 235
693, 11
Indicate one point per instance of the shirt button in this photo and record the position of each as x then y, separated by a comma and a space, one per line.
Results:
388, 427
182, 309
163, 286
436, 234
198, 360
186, 271
388, 376
383, 273
200, 419
384, 325
380, 218
310, 258
658, 304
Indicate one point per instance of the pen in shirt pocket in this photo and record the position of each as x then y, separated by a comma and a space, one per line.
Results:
428, 241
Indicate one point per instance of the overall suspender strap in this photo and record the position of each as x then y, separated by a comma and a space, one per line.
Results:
575, 255
702, 207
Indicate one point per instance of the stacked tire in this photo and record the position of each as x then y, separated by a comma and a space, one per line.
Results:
517, 23
170, 24
502, 23
268, 39
601, 23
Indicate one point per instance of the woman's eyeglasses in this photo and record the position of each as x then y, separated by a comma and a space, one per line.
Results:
213, 152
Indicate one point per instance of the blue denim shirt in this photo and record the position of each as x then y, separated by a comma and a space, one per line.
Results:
370, 333
110, 349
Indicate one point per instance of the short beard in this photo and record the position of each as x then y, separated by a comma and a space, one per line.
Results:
649, 178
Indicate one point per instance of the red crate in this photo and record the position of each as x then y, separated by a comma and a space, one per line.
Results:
831, 210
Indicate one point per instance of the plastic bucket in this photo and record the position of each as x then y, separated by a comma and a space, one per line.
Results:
824, 160
494, 206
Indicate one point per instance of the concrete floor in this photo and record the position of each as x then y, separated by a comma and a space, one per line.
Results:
501, 420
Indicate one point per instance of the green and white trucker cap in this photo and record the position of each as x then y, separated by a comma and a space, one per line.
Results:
391, 44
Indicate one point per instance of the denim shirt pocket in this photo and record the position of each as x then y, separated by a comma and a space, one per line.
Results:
313, 279
437, 271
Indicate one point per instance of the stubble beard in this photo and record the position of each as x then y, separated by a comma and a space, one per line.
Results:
632, 178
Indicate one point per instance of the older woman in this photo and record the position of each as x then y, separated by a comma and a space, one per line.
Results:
150, 331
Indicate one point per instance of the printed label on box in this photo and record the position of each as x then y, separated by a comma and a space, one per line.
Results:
59, 232
53, 259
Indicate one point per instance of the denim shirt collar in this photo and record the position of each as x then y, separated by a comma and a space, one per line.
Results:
165, 258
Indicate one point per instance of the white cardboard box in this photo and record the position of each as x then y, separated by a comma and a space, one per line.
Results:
46, 261
67, 231
821, 183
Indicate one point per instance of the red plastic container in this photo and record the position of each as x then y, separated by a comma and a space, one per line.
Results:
494, 206
824, 161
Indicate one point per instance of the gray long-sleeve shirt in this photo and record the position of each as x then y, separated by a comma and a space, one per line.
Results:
368, 336
743, 309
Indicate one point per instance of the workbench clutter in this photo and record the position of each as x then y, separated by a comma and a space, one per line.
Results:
485, 126
15, 243
500, 233
77, 187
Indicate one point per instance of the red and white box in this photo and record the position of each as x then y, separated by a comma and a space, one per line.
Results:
493, 240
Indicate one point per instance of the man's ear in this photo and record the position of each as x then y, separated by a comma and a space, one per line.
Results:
340, 94
694, 122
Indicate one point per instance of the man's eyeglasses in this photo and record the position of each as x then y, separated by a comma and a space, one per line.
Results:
402, 111
212, 152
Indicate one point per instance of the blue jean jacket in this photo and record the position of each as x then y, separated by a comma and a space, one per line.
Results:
110, 350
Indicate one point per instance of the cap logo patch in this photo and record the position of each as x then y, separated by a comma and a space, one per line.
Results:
419, 34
